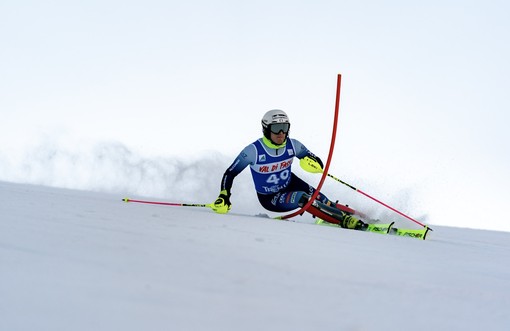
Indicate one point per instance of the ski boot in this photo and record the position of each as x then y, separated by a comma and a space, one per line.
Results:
351, 222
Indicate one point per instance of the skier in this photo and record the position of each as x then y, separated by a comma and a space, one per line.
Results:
278, 188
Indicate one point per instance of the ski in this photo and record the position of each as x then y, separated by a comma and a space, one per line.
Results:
379, 228
411, 233
385, 229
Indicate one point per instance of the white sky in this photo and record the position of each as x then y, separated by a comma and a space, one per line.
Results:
424, 105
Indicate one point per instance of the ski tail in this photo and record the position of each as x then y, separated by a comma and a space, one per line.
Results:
320, 221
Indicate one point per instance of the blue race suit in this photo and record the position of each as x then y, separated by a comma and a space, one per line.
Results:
278, 188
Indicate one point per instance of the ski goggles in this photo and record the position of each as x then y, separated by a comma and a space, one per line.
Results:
277, 127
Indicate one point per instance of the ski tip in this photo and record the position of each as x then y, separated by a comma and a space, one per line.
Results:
125, 199
427, 229
390, 227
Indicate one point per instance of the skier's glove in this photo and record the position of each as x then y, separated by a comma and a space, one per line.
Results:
316, 159
222, 205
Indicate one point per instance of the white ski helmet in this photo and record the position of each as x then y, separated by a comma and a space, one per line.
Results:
275, 116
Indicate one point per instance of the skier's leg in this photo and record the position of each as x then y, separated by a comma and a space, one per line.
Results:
332, 214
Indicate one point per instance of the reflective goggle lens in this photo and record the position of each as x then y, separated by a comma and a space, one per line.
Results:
276, 128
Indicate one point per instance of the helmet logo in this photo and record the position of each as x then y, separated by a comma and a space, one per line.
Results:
279, 118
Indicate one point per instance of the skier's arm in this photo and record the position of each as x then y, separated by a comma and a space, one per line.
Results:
302, 152
247, 156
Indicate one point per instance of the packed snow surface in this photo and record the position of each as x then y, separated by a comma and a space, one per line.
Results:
77, 260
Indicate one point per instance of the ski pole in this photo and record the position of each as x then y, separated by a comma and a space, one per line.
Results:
169, 203
313, 167
378, 201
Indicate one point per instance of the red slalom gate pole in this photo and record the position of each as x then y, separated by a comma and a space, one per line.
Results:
168, 203
330, 156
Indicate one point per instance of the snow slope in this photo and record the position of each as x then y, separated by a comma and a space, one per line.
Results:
76, 260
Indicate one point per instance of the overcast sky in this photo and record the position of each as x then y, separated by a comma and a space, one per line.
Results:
424, 105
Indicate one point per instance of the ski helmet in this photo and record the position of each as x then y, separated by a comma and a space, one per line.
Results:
275, 117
